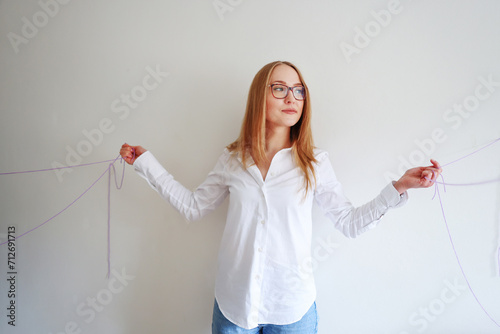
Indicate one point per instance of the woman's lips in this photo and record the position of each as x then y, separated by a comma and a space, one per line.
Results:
289, 111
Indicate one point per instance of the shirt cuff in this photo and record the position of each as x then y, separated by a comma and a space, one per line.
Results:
148, 167
392, 198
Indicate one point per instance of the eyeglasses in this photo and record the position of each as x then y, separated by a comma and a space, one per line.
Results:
280, 91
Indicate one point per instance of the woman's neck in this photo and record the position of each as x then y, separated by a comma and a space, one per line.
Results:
276, 140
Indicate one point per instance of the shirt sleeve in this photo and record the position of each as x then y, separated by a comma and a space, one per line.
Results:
350, 220
191, 204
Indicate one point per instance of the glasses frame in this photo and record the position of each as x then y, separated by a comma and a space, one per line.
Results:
289, 89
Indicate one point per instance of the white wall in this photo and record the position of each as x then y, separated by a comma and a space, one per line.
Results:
371, 107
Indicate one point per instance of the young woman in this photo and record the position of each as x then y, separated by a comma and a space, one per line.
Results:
272, 174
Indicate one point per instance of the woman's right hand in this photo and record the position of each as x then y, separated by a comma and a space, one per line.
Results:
130, 153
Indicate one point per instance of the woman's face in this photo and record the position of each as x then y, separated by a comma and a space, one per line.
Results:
283, 112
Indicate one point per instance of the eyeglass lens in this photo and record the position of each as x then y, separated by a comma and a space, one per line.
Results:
281, 91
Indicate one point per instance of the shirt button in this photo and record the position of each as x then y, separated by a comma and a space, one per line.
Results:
257, 277
272, 173
260, 249
262, 222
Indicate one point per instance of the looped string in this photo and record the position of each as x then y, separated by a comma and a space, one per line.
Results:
436, 183
436, 191
111, 169
118, 187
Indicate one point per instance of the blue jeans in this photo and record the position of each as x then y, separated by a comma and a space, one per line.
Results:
307, 325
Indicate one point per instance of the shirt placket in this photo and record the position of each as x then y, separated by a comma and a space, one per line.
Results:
260, 249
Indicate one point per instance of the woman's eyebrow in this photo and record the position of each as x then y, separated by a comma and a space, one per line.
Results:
282, 82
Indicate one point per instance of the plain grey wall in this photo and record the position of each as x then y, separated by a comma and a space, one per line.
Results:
392, 84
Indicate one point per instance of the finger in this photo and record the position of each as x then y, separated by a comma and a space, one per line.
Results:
128, 159
436, 165
436, 168
435, 173
428, 177
126, 152
434, 176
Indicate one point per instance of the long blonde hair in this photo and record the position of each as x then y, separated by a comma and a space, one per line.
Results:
252, 139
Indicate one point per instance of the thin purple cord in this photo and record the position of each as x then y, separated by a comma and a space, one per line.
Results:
476, 151
56, 168
458, 260
436, 191
468, 184
70, 204
118, 186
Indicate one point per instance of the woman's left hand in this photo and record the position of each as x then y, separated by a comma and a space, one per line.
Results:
419, 177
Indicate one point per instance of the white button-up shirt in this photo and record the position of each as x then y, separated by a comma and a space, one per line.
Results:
267, 236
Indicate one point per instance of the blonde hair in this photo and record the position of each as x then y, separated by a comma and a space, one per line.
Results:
252, 139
